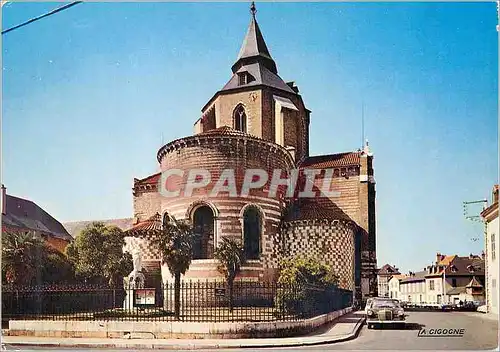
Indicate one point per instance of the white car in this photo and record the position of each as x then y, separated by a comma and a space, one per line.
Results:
482, 309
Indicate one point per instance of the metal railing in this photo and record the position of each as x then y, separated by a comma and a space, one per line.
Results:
199, 302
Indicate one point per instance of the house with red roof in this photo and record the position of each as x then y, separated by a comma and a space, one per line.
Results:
453, 278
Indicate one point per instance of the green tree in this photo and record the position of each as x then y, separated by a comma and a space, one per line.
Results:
23, 255
306, 271
231, 257
175, 244
97, 254
57, 268
303, 283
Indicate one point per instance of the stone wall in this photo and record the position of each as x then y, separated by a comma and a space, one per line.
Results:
234, 152
251, 100
146, 204
330, 241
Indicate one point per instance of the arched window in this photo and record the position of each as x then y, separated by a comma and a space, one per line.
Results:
203, 220
252, 227
240, 119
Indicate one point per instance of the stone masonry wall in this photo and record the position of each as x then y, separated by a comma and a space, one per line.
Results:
216, 153
332, 242
146, 204
252, 100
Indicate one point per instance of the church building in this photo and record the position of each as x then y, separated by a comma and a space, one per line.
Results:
259, 121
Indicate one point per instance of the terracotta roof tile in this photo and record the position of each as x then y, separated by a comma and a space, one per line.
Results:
305, 209
153, 224
332, 160
150, 180
447, 259
224, 131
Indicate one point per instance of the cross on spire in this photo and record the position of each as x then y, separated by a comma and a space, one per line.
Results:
253, 9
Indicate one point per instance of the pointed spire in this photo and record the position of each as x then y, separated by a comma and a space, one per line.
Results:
253, 9
254, 47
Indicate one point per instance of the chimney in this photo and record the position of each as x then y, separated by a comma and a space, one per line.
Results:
293, 86
495, 194
4, 200
483, 255
438, 257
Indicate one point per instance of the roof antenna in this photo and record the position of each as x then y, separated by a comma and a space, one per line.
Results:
253, 9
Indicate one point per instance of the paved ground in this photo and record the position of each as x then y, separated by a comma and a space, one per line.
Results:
480, 333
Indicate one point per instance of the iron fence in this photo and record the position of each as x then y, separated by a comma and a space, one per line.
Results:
199, 302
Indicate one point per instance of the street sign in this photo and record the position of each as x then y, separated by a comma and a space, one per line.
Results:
145, 297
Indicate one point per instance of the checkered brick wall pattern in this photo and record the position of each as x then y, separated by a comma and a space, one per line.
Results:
331, 242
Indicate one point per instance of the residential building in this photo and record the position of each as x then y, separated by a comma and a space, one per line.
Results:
412, 287
23, 215
490, 217
394, 282
453, 278
383, 276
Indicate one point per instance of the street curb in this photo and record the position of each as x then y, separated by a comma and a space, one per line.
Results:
314, 341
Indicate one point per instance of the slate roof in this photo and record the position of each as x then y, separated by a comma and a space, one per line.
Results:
388, 270
459, 266
456, 290
418, 276
332, 160
262, 75
75, 227
25, 215
462, 263
474, 283
254, 49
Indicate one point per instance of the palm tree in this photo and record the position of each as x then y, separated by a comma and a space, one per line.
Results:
22, 255
231, 257
175, 244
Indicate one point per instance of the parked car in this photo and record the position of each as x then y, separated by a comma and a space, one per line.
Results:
385, 311
482, 309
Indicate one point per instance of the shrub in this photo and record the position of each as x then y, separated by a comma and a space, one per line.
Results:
306, 287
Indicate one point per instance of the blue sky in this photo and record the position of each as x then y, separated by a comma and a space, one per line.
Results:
90, 93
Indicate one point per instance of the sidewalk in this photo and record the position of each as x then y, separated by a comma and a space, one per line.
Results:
342, 329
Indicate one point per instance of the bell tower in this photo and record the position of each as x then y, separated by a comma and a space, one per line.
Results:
257, 101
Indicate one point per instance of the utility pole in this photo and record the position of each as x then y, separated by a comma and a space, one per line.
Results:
474, 217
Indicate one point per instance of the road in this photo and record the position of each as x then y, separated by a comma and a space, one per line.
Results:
481, 333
